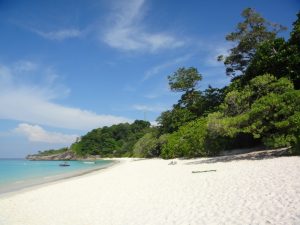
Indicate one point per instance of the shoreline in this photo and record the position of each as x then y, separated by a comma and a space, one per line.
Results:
31, 184
239, 191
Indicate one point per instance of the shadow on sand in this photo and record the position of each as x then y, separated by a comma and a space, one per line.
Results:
257, 155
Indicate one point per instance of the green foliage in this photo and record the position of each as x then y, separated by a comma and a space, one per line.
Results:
220, 125
239, 101
149, 145
295, 34
188, 141
117, 140
77, 149
235, 103
170, 121
296, 146
278, 57
192, 104
213, 97
279, 140
194, 139
263, 109
52, 152
201, 103
295, 124
192, 101
270, 117
184, 80
249, 34
145, 146
254, 109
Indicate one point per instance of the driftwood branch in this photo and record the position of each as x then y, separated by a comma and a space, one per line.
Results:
204, 171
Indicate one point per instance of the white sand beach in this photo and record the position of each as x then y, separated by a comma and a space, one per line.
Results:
140, 192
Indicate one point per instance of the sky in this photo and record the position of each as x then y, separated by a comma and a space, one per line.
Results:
67, 67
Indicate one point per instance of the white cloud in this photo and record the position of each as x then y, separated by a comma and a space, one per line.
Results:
25, 66
126, 32
35, 104
60, 35
161, 89
214, 52
36, 133
152, 95
157, 69
154, 123
211, 50
5, 77
152, 108
25, 105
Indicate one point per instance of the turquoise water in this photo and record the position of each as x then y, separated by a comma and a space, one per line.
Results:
18, 173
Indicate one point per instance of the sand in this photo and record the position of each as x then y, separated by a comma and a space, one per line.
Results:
265, 191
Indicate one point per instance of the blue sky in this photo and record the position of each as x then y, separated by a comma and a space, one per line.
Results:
67, 67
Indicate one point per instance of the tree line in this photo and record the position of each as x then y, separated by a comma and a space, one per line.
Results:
260, 106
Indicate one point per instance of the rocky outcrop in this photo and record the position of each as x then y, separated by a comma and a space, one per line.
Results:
68, 155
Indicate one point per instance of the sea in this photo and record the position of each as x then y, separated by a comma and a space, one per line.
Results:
17, 174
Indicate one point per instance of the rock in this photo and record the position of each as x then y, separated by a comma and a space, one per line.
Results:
68, 155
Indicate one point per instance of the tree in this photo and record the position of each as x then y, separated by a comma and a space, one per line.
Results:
192, 101
239, 101
192, 104
295, 123
249, 34
149, 145
295, 34
266, 109
197, 102
117, 140
184, 80
146, 146
188, 141
201, 103
213, 97
270, 118
278, 57
169, 121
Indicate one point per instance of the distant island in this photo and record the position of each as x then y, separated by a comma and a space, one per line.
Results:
59, 154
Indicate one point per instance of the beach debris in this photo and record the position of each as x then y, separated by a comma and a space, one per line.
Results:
203, 171
172, 163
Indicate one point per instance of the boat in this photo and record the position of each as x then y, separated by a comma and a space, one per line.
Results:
64, 164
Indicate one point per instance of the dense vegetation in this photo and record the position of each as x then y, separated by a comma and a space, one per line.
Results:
117, 140
52, 152
260, 107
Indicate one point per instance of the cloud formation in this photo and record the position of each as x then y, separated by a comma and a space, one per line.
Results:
213, 51
32, 103
159, 68
60, 35
126, 32
25, 66
35, 133
152, 108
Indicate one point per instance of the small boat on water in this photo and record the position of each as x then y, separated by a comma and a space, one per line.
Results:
64, 164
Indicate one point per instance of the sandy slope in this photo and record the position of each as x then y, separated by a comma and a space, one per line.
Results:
153, 192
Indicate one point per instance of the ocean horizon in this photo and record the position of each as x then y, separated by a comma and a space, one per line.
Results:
18, 173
